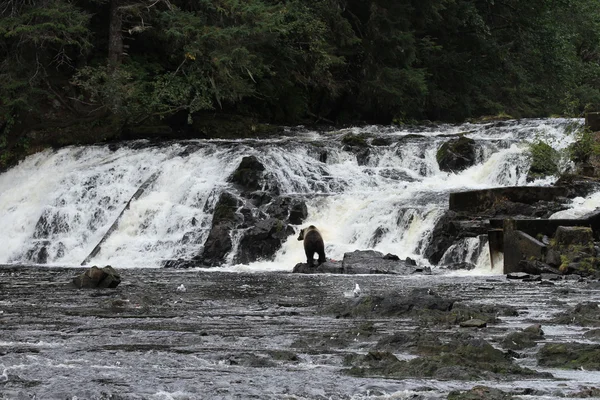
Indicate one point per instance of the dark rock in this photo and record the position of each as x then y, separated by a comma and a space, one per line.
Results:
323, 156
553, 258
443, 236
381, 141
473, 323
583, 314
415, 342
262, 241
39, 253
288, 209
570, 356
535, 267
573, 235
373, 262
457, 154
410, 261
480, 393
393, 304
550, 277
217, 245
465, 266
462, 359
249, 174
355, 140
259, 198
298, 213
519, 246
358, 145
392, 257
225, 218
593, 334
477, 201
96, 277
524, 339
328, 267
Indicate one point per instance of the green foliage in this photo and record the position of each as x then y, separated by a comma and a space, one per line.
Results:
584, 146
298, 61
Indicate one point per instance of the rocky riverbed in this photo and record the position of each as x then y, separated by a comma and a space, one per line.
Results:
170, 334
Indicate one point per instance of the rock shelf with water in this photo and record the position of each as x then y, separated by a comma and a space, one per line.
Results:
282, 335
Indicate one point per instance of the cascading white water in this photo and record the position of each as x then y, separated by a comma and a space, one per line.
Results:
65, 201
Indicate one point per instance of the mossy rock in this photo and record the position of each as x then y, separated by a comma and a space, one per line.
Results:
570, 356
523, 339
225, 208
544, 161
480, 393
583, 314
249, 174
463, 359
355, 140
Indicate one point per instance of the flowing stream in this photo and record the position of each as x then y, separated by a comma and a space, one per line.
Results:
61, 203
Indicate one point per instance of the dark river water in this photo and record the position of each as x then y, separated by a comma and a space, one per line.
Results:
165, 334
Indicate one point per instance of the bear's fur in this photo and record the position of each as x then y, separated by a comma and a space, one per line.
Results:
313, 243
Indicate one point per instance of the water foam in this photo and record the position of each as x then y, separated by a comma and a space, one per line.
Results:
57, 205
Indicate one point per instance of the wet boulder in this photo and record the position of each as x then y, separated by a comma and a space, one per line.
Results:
288, 209
570, 356
524, 339
582, 314
393, 304
249, 174
328, 267
262, 241
480, 393
358, 145
443, 235
573, 235
374, 262
460, 359
225, 218
456, 154
96, 277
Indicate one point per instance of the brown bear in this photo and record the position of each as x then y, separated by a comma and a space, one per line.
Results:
313, 243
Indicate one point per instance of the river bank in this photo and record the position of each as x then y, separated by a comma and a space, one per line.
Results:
167, 334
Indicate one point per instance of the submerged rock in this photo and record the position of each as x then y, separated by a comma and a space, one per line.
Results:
460, 359
393, 304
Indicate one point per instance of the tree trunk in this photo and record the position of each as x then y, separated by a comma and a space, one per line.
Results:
115, 35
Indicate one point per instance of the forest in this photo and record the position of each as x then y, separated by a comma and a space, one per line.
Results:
83, 71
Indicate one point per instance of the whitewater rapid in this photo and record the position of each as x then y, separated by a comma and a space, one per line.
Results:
63, 201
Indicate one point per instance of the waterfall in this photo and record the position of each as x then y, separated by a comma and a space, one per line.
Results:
56, 206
